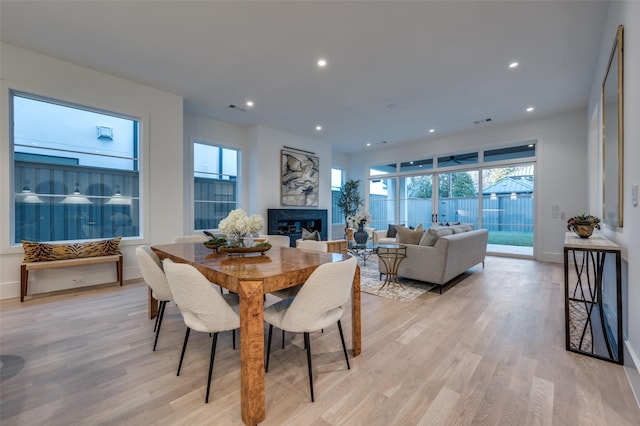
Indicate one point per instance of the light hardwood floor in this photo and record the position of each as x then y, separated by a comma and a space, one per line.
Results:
489, 351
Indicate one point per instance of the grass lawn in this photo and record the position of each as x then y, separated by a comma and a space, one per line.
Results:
511, 238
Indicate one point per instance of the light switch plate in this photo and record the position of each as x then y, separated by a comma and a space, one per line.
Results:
634, 195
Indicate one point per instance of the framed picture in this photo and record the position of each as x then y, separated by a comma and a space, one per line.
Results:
300, 178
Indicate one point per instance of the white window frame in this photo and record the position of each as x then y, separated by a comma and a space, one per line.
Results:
190, 179
7, 207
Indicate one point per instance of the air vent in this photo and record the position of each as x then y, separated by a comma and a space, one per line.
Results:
232, 106
484, 120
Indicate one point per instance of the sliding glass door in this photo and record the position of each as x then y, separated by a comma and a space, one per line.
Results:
416, 200
458, 198
507, 208
491, 189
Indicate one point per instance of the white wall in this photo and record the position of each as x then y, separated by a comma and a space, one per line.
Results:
260, 146
198, 127
264, 180
161, 117
561, 171
626, 13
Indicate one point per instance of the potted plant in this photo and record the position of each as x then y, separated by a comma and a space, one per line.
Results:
583, 225
349, 200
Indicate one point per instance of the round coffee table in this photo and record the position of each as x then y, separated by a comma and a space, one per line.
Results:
363, 251
391, 256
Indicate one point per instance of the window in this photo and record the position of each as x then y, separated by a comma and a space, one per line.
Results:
337, 179
215, 184
416, 165
494, 190
458, 160
511, 153
71, 181
382, 202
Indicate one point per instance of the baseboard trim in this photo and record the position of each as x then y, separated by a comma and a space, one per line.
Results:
631, 365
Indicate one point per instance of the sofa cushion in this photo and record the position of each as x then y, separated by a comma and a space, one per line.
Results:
409, 236
431, 236
462, 228
307, 235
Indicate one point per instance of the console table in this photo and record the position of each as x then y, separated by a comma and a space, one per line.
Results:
587, 330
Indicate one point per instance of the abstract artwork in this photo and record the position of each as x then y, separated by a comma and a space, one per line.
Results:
299, 173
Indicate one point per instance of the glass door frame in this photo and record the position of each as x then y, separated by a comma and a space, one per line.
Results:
435, 173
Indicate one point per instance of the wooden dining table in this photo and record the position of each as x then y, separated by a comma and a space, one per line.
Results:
251, 276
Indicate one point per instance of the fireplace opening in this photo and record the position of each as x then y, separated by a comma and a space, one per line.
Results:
290, 222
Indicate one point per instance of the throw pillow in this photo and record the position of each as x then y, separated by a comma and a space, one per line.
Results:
98, 248
392, 231
42, 252
409, 236
308, 235
431, 236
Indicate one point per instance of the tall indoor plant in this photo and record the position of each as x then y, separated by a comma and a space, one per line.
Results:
349, 200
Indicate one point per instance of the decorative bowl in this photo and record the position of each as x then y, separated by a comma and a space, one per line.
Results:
261, 248
583, 231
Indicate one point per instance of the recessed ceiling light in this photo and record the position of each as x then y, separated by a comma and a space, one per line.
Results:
250, 104
318, 128
432, 130
322, 63
513, 65
530, 109
410, 162
368, 143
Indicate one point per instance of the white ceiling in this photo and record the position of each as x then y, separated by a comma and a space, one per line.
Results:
395, 68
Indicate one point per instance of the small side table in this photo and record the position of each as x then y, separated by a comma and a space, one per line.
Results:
391, 256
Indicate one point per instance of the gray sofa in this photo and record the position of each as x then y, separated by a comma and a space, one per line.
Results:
448, 257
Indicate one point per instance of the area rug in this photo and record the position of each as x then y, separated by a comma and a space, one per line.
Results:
370, 283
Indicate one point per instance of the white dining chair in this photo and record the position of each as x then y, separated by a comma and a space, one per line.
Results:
319, 303
313, 245
154, 277
190, 239
277, 240
203, 308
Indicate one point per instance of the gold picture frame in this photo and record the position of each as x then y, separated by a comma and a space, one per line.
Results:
613, 136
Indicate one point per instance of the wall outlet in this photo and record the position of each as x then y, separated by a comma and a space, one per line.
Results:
634, 195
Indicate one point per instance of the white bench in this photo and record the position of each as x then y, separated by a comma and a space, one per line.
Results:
25, 267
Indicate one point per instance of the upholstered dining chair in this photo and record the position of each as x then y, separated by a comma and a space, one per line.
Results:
155, 278
190, 239
203, 308
305, 245
277, 240
319, 303
312, 245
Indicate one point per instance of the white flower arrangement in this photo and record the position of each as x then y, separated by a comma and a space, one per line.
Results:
238, 224
362, 217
